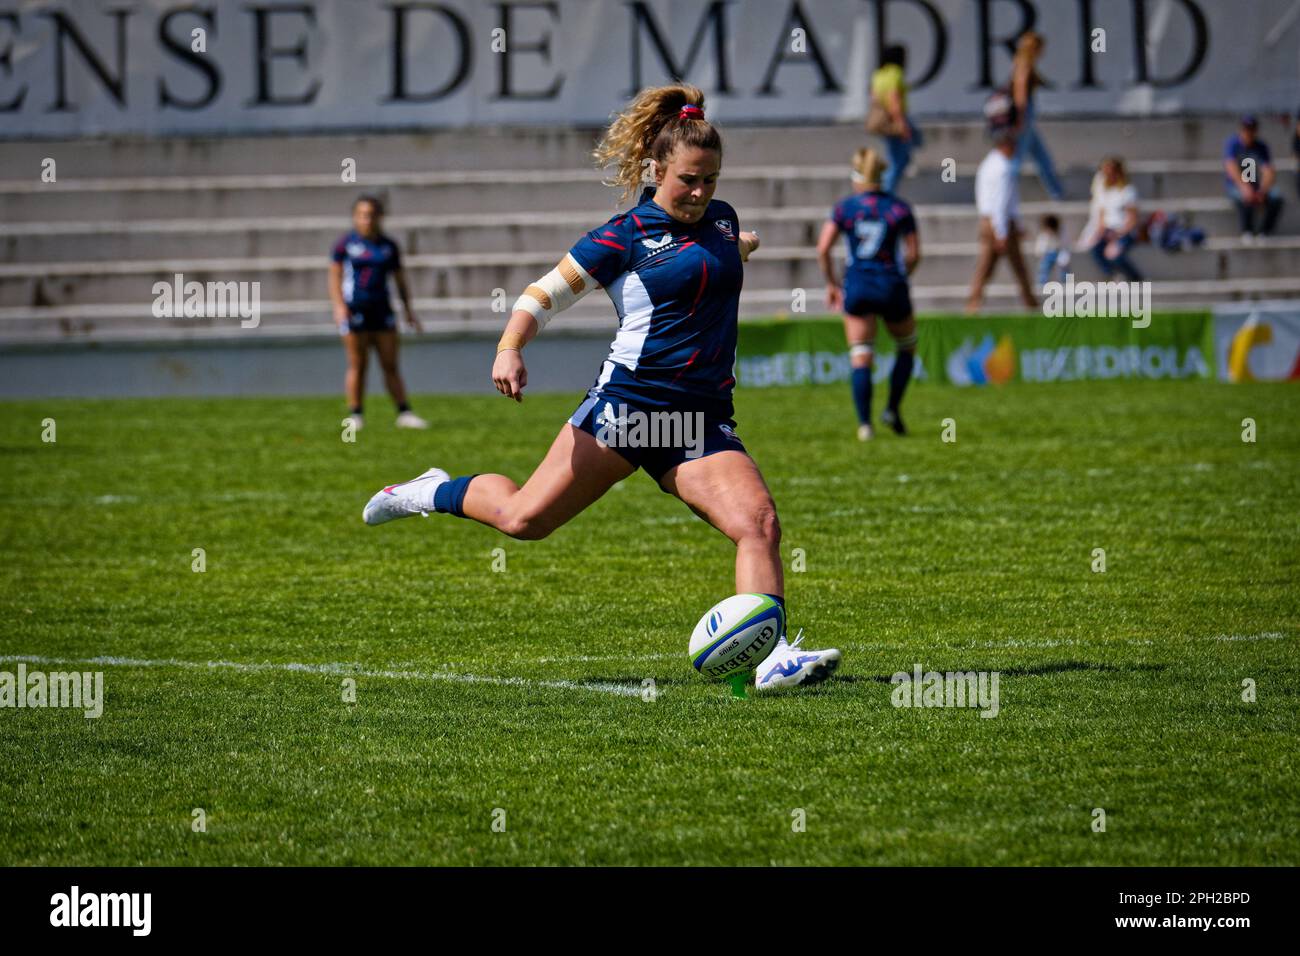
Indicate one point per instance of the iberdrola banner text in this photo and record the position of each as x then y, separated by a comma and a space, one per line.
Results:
987, 350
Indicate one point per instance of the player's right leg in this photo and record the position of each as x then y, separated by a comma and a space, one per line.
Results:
727, 490
357, 345
860, 333
575, 472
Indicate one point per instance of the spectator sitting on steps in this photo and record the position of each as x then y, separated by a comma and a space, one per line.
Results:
1251, 180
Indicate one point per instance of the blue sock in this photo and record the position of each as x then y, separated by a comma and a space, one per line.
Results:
899, 378
781, 601
862, 393
449, 497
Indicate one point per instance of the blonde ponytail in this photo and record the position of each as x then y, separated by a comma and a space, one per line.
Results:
650, 128
868, 168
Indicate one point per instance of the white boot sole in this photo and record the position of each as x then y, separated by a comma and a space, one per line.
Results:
807, 676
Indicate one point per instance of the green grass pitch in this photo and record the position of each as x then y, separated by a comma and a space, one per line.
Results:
514, 696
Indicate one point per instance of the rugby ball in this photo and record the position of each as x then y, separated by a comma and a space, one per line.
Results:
735, 634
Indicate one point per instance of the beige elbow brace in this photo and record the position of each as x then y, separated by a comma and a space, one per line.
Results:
556, 291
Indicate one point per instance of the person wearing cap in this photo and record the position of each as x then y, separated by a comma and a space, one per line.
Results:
1251, 180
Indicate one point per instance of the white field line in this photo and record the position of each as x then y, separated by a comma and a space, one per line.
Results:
606, 687
340, 670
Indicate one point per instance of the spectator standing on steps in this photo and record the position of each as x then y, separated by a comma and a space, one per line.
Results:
888, 116
1025, 81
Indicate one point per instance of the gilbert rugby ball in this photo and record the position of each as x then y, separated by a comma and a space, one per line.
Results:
735, 634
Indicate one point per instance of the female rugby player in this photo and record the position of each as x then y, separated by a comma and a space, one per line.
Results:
360, 265
873, 223
672, 267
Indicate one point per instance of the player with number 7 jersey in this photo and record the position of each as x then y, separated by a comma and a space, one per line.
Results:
883, 249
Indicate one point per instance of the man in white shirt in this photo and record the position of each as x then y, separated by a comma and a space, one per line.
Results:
997, 198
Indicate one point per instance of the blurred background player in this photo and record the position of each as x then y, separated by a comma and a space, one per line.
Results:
361, 263
888, 115
672, 266
1251, 180
874, 225
1053, 256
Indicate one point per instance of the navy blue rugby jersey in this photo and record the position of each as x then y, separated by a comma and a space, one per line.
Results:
367, 264
676, 288
873, 223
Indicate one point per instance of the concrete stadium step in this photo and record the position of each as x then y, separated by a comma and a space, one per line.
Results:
200, 199
477, 210
304, 317
252, 237
458, 316
547, 147
477, 275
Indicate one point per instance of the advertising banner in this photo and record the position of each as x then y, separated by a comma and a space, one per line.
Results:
988, 350
1257, 341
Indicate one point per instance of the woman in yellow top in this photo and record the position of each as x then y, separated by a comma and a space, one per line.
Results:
889, 96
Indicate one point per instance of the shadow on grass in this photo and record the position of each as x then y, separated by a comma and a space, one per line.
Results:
1039, 670
1059, 667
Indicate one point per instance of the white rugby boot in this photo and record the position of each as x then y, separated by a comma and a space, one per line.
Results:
789, 665
408, 419
404, 500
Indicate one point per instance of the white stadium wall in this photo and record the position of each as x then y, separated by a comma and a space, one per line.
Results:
84, 67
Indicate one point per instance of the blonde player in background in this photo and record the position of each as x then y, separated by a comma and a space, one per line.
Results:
883, 249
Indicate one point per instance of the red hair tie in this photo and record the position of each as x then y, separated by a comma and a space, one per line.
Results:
691, 110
